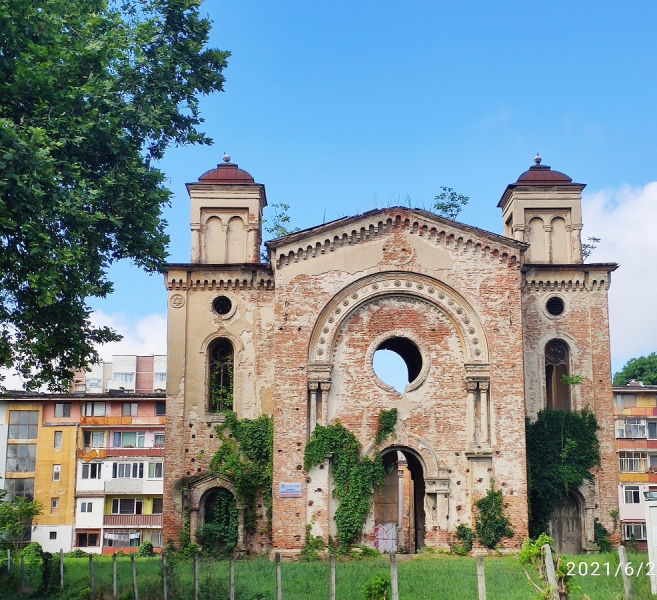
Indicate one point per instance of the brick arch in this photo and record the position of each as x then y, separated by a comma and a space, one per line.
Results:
460, 313
413, 443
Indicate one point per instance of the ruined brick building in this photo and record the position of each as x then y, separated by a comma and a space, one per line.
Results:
487, 324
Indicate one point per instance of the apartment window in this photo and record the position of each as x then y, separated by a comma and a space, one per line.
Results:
160, 409
160, 377
156, 470
133, 470
94, 383
86, 507
23, 488
122, 538
652, 430
91, 470
23, 424
62, 409
130, 409
123, 377
95, 409
157, 506
57, 443
625, 401
129, 439
632, 495
94, 439
56, 472
158, 440
633, 462
53, 535
635, 530
87, 539
631, 428
54, 503
127, 506
21, 458
154, 536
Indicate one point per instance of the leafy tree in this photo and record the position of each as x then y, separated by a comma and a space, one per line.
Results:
643, 368
491, 523
589, 246
15, 518
449, 204
92, 92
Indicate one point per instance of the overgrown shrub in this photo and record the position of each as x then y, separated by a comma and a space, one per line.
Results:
491, 523
146, 549
467, 537
562, 448
32, 553
377, 588
77, 553
310, 550
601, 536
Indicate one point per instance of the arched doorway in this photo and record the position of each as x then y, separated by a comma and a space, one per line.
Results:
566, 526
399, 517
219, 532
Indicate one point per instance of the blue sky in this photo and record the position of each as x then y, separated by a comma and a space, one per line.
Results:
337, 106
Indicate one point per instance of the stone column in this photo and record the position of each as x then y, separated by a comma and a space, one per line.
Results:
470, 413
485, 412
312, 417
324, 386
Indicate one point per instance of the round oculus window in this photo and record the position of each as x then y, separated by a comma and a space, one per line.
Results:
222, 305
555, 306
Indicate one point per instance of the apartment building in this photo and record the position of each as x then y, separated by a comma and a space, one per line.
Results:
636, 437
129, 373
94, 461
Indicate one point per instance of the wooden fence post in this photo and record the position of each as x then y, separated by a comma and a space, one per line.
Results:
165, 591
8, 560
232, 577
332, 584
279, 591
22, 573
115, 586
393, 576
627, 580
195, 576
135, 585
92, 577
551, 575
61, 567
481, 578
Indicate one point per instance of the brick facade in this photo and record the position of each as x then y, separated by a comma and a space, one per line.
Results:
464, 308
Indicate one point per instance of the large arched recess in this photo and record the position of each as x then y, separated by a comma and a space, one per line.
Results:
461, 314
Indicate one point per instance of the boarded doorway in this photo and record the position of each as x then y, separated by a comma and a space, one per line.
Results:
399, 504
566, 526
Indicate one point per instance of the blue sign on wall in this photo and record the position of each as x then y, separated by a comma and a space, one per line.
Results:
289, 490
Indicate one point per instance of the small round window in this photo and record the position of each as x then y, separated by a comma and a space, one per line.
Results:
555, 306
222, 305
397, 362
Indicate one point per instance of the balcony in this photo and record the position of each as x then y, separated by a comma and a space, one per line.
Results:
91, 453
122, 421
132, 521
124, 485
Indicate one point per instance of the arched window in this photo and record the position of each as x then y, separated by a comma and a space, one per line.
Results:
557, 360
221, 376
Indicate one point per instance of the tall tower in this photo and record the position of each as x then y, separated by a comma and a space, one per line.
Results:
565, 323
544, 209
227, 209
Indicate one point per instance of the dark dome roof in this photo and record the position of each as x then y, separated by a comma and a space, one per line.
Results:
539, 174
226, 173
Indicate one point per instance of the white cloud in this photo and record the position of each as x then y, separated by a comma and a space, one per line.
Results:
624, 219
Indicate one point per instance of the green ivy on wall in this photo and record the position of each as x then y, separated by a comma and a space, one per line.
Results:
246, 458
562, 448
354, 477
387, 422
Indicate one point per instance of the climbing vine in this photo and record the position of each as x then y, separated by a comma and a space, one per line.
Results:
246, 457
354, 477
387, 422
491, 522
219, 534
562, 448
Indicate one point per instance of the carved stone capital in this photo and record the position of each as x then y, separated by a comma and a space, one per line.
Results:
325, 386
472, 385
313, 385
484, 385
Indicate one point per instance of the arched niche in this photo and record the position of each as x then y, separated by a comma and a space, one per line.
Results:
560, 241
213, 241
536, 240
236, 241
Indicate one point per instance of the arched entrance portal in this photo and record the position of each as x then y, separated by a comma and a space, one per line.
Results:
220, 529
566, 526
399, 518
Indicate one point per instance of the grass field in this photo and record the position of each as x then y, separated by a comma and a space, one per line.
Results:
421, 577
